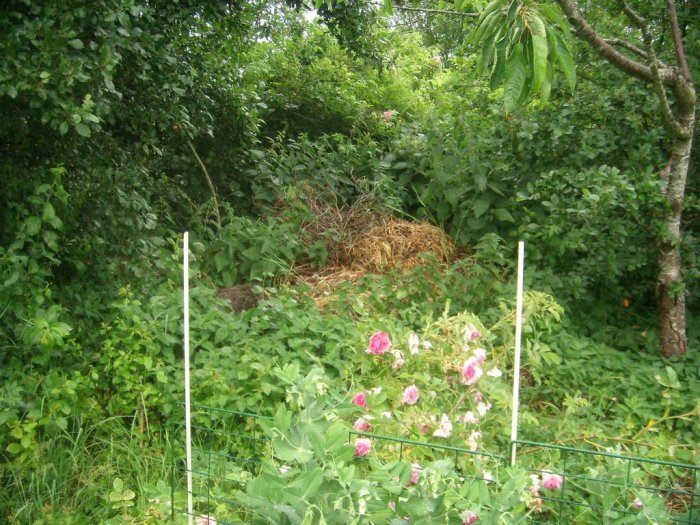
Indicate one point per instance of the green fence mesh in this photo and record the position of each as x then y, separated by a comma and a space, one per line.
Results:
598, 487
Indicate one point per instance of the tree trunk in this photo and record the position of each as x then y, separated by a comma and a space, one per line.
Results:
671, 291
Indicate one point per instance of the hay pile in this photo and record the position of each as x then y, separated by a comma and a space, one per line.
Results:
369, 243
397, 243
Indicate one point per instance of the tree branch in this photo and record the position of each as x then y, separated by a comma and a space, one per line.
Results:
607, 51
627, 45
637, 20
678, 43
654, 64
436, 11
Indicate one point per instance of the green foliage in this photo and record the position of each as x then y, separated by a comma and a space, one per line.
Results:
522, 43
284, 116
136, 360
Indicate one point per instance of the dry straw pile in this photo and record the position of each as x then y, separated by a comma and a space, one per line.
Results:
366, 242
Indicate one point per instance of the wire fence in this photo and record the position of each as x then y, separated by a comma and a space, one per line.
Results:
597, 487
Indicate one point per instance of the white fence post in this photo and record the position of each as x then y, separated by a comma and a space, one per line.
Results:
186, 338
516, 365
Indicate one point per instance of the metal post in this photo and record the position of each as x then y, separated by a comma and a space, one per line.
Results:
516, 365
186, 337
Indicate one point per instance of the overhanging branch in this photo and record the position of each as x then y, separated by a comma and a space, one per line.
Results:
436, 11
606, 50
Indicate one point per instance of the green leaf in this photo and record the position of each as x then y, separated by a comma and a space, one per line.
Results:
480, 207
503, 215
515, 73
499, 66
539, 52
513, 11
63, 128
487, 52
33, 225
118, 485
76, 43
566, 61
388, 7
547, 84
487, 22
48, 214
552, 14
82, 129
14, 448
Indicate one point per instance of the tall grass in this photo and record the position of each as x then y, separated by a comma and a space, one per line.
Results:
71, 477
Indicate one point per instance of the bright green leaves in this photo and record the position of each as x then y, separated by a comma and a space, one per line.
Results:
515, 77
521, 44
539, 50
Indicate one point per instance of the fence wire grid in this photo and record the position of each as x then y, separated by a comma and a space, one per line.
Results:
228, 450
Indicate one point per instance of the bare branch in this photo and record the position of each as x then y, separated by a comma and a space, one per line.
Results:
627, 45
678, 43
436, 11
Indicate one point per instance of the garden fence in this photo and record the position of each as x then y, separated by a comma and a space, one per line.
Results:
598, 487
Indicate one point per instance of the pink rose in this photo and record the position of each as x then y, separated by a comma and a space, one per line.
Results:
470, 518
471, 333
360, 400
379, 343
362, 447
471, 372
415, 473
638, 504
552, 481
362, 425
480, 355
410, 395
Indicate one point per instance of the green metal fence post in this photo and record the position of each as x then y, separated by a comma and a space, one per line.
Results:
563, 485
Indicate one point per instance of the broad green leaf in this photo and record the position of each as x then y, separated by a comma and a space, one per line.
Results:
82, 129
480, 207
76, 43
503, 215
14, 448
48, 213
33, 225
566, 61
118, 485
547, 84
539, 51
515, 74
